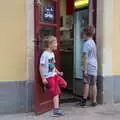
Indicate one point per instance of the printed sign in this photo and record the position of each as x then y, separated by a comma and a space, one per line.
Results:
49, 13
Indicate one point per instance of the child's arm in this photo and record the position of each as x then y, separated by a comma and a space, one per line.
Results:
86, 49
85, 63
41, 69
58, 72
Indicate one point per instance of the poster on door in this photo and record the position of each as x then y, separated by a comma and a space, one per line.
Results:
49, 13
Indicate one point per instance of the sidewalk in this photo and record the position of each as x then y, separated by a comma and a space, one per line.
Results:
73, 112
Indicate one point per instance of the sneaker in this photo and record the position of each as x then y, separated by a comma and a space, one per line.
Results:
94, 104
83, 102
57, 113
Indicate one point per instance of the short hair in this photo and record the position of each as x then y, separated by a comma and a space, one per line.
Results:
48, 40
89, 31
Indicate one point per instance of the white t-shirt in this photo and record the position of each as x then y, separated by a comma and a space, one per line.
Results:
48, 60
89, 47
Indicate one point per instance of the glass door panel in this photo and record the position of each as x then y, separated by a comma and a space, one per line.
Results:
81, 21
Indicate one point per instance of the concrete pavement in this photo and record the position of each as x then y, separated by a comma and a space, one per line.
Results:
73, 112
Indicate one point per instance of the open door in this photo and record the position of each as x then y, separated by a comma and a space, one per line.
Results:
81, 21
47, 21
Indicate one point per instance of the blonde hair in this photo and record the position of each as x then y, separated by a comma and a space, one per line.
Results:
48, 40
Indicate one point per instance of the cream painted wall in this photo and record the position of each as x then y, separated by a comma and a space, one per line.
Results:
108, 37
104, 36
30, 38
116, 39
12, 40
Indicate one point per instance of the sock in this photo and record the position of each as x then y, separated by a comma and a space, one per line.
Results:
55, 109
84, 100
94, 101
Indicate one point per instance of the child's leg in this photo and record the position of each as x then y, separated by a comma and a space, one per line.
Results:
57, 111
56, 101
58, 81
54, 90
90, 92
94, 88
86, 86
86, 91
61, 82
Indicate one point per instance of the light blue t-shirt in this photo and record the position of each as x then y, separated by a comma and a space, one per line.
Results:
89, 48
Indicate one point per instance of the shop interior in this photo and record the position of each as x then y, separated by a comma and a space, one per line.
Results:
72, 22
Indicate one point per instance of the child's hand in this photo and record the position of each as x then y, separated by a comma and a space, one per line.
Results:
85, 72
45, 81
61, 73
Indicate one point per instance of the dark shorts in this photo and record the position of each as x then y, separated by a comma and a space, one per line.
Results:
89, 79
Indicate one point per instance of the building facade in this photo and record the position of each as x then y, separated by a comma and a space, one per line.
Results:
17, 75
17, 55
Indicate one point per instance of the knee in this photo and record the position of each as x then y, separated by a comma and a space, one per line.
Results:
55, 91
86, 82
65, 84
93, 83
52, 91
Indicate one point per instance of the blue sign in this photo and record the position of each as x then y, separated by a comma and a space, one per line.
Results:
49, 13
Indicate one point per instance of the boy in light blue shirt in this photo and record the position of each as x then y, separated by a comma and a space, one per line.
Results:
89, 65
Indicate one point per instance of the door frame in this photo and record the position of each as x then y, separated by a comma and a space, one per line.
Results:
43, 101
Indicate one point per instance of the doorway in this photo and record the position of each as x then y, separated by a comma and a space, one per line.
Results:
66, 48
67, 29
71, 48
71, 45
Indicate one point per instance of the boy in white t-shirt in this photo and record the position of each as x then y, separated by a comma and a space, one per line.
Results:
50, 75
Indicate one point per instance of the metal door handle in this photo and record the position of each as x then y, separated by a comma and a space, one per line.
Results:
36, 40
